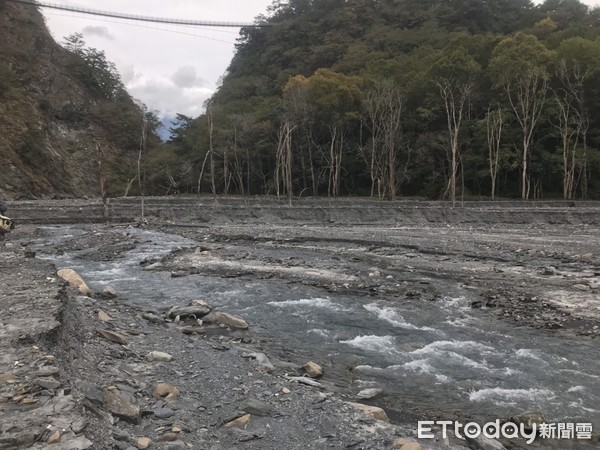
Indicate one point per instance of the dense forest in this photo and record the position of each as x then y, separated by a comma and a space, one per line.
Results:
443, 99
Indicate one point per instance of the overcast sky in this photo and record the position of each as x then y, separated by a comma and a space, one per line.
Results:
172, 69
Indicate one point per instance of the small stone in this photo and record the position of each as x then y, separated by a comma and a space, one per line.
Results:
372, 411
168, 437
143, 443
158, 356
7, 377
313, 369
285, 391
177, 445
256, 407
165, 391
406, 444
120, 435
103, 316
109, 292
367, 394
54, 437
112, 336
47, 371
164, 413
47, 383
176, 430
201, 303
152, 317
239, 422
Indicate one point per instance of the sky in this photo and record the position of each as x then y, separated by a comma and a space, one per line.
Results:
172, 69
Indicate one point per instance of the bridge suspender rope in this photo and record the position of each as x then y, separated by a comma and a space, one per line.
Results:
95, 12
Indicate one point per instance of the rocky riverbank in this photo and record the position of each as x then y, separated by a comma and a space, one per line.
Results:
90, 371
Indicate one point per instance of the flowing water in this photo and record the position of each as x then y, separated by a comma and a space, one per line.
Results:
439, 355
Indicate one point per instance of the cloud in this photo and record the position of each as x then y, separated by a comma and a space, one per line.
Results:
102, 32
127, 72
185, 77
172, 69
162, 94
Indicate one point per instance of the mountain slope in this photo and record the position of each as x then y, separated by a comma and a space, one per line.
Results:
54, 122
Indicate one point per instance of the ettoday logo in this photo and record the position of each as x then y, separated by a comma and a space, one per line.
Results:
509, 430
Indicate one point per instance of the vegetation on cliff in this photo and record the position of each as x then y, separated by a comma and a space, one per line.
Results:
67, 124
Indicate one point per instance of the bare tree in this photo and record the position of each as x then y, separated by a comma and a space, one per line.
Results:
527, 95
283, 162
210, 153
494, 121
142, 151
455, 95
569, 129
240, 125
174, 184
101, 177
573, 110
383, 104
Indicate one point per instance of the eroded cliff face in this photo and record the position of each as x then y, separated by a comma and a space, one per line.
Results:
53, 126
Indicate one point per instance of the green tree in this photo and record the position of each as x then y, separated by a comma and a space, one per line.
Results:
337, 99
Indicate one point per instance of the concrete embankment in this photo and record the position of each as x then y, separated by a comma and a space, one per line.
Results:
347, 211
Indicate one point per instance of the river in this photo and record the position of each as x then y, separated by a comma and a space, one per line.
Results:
437, 355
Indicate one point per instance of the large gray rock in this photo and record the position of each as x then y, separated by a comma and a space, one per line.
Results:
230, 320
256, 407
196, 310
118, 406
367, 394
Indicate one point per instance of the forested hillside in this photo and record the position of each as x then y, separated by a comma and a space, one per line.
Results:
68, 128
435, 98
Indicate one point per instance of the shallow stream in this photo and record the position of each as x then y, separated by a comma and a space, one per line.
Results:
439, 355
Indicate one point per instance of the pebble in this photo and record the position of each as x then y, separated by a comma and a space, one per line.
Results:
143, 443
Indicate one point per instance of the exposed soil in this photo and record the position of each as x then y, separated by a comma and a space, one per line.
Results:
536, 273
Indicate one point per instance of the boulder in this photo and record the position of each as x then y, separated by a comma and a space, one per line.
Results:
372, 411
367, 394
118, 406
313, 369
230, 320
75, 280
194, 310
